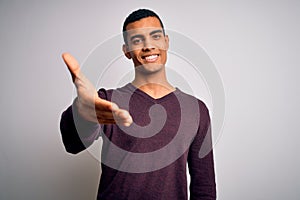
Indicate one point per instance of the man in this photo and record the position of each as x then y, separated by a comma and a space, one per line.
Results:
150, 129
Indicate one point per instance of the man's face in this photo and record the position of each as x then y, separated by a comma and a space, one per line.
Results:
146, 44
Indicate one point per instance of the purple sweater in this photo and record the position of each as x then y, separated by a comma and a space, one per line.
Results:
148, 159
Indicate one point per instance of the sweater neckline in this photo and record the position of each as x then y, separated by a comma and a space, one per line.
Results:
147, 96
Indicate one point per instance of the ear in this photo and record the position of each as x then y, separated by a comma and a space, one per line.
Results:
126, 51
167, 42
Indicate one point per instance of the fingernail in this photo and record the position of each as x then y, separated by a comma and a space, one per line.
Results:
127, 124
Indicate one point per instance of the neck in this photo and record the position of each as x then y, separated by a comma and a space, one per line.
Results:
155, 85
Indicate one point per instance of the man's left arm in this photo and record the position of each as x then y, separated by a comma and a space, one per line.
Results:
201, 169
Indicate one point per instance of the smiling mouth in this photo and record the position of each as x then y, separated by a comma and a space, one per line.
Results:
150, 58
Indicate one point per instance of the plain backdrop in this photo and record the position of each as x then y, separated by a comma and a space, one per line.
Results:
254, 44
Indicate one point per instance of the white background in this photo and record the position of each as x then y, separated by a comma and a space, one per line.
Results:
254, 44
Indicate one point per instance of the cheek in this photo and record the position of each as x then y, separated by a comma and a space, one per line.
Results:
164, 55
135, 48
163, 46
135, 57
133, 54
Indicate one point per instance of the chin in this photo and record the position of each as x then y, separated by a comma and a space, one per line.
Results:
150, 68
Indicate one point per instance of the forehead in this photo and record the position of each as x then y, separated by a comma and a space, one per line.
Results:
143, 25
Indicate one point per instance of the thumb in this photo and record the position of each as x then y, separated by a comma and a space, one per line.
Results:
72, 65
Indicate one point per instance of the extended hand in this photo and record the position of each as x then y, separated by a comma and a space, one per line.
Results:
90, 106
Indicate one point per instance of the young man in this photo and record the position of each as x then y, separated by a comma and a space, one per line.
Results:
150, 129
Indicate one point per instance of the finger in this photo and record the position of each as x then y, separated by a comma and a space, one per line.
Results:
124, 123
119, 117
101, 104
123, 117
105, 115
72, 65
105, 121
121, 114
127, 123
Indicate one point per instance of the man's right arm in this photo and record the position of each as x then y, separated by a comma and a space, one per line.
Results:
77, 133
80, 122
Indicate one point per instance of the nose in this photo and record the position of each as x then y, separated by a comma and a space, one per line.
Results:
148, 45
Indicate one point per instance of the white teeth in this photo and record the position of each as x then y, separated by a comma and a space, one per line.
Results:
151, 58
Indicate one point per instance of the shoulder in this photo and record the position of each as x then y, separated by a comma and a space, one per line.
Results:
190, 98
107, 93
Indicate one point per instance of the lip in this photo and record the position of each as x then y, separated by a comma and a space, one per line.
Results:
150, 58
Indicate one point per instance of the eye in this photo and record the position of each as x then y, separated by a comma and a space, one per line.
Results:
137, 41
156, 36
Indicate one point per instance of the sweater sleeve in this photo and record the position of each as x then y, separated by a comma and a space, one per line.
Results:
201, 167
78, 133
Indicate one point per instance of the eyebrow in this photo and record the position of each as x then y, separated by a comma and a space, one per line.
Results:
136, 36
155, 31
141, 36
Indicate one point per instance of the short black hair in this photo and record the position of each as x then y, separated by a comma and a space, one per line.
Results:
137, 15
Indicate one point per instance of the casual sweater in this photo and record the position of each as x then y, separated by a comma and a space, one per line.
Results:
148, 159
